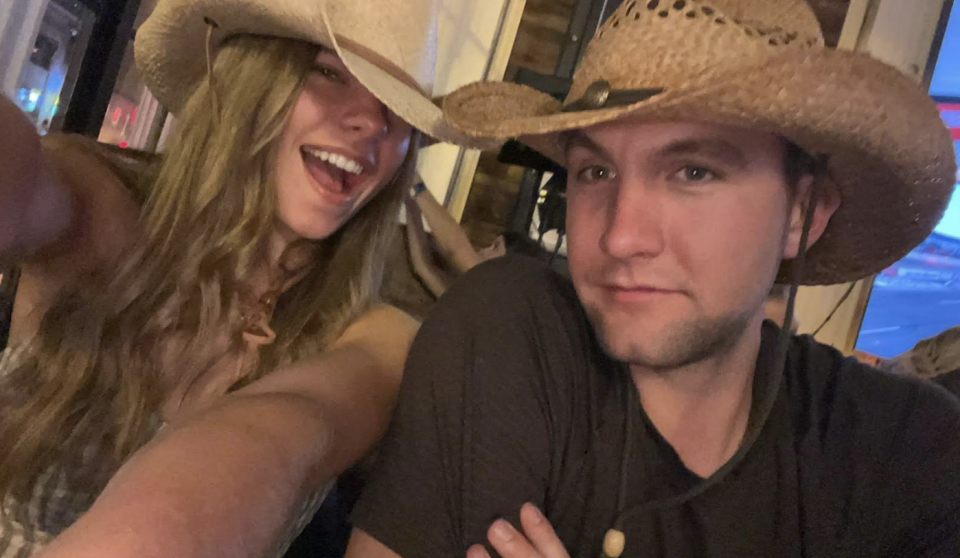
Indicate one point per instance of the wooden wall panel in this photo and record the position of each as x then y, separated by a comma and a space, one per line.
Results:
542, 33
831, 14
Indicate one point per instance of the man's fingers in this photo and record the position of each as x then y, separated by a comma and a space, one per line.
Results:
509, 542
541, 533
477, 551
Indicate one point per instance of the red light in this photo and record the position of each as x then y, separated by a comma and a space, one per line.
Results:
133, 117
117, 114
124, 144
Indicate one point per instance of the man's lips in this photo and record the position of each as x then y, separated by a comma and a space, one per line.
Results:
638, 293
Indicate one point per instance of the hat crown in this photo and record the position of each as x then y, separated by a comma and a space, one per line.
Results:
885, 147
410, 47
673, 44
397, 36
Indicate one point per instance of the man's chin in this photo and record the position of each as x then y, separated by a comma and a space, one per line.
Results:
627, 342
645, 354
667, 345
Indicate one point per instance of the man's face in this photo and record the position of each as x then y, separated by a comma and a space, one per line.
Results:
675, 234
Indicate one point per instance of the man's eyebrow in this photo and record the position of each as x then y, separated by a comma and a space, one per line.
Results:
716, 148
578, 138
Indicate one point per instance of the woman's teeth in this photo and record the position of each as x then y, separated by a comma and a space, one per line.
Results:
337, 160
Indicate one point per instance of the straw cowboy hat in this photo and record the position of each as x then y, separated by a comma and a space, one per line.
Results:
760, 64
389, 45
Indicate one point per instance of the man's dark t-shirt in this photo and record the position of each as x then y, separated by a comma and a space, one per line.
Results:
508, 398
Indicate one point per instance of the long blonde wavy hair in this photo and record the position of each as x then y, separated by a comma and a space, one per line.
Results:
92, 375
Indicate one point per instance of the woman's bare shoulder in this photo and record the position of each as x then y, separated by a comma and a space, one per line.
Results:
124, 168
104, 218
107, 211
79, 162
383, 332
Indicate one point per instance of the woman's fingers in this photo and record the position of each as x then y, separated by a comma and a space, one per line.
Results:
541, 533
538, 540
509, 542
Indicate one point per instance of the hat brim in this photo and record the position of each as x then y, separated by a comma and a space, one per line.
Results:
890, 156
411, 105
170, 48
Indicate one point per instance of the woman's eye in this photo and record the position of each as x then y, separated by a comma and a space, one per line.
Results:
695, 173
595, 173
329, 73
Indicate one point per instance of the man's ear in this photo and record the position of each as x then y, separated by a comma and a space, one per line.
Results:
828, 201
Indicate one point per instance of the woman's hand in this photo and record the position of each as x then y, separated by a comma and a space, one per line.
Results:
538, 540
450, 237
421, 248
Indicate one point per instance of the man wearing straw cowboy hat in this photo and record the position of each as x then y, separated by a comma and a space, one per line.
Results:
713, 148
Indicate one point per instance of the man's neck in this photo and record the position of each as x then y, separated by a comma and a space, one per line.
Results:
702, 409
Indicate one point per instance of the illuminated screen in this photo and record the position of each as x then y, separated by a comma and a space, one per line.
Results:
946, 74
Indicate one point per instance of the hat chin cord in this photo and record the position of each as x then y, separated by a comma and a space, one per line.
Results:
214, 97
614, 542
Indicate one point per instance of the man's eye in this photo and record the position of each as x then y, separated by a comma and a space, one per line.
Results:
595, 173
695, 173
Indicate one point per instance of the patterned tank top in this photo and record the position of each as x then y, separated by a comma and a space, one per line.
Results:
60, 497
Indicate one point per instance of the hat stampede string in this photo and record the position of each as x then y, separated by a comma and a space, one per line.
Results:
614, 542
211, 81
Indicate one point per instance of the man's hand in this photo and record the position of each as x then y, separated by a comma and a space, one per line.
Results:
538, 540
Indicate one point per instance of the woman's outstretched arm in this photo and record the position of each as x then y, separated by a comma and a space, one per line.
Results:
226, 482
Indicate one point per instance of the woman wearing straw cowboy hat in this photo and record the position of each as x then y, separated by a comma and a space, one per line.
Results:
645, 408
234, 311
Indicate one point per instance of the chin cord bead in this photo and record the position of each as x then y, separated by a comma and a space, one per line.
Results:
613, 543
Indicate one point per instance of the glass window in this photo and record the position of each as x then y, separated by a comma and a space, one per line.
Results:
49, 73
919, 296
946, 76
134, 117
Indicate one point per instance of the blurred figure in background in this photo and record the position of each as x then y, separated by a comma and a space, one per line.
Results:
439, 258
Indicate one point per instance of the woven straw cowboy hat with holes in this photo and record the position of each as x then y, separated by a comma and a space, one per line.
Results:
389, 45
759, 64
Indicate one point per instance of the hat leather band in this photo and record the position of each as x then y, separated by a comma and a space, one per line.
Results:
600, 95
381, 62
